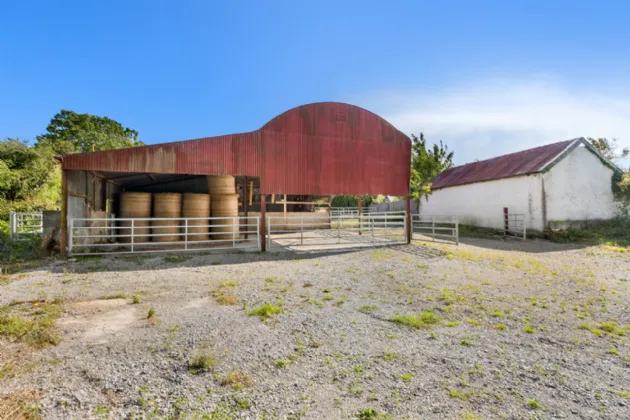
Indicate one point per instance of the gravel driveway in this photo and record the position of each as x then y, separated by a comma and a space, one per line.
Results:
487, 329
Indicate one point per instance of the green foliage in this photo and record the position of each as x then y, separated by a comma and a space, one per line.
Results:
71, 132
266, 311
426, 164
351, 201
615, 232
422, 320
609, 148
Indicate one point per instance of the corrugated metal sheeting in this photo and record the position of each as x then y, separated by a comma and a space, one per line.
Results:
318, 149
515, 164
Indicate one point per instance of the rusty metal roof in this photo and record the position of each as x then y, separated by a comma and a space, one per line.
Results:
326, 148
514, 164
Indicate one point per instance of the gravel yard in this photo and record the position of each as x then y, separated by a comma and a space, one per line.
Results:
487, 329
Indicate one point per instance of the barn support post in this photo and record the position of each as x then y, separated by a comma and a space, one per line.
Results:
245, 206
408, 218
63, 235
506, 221
360, 208
263, 224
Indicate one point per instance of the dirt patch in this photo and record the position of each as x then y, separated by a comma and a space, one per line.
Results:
98, 321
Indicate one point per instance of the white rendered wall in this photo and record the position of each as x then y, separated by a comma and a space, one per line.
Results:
481, 204
579, 188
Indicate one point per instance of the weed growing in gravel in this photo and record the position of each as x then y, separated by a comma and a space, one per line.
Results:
500, 327
228, 283
271, 279
227, 300
534, 405
237, 379
529, 329
407, 376
423, 320
175, 259
151, 313
452, 324
389, 355
135, 299
473, 322
281, 363
453, 393
368, 308
465, 342
101, 409
496, 313
265, 311
613, 351
308, 284
468, 415
34, 326
371, 414
116, 296
201, 359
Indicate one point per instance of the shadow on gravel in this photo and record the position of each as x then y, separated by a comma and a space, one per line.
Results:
140, 262
535, 246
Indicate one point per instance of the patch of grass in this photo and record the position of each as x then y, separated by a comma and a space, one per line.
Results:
175, 259
135, 299
265, 311
497, 313
83, 258
389, 355
237, 379
596, 332
407, 376
465, 342
468, 415
101, 409
115, 296
371, 414
452, 324
423, 320
453, 393
307, 284
529, 329
500, 327
21, 405
281, 363
201, 359
228, 283
613, 351
151, 313
34, 325
368, 308
534, 405
473, 322
227, 300
271, 279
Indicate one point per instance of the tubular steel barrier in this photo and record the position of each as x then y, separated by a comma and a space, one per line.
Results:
25, 225
435, 227
515, 226
95, 236
328, 230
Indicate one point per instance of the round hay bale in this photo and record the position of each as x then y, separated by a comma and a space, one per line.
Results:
196, 205
225, 206
134, 205
167, 205
221, 184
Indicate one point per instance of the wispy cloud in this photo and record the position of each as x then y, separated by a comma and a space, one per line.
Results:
492, 118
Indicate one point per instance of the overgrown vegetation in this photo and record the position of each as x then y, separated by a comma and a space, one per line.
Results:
614, 232
31, 322
201, 359
422, 320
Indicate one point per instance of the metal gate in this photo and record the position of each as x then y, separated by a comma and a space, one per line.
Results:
364, 230
435, 227
25, 225
96, 236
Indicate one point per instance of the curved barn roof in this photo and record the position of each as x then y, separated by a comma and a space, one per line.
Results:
325, 148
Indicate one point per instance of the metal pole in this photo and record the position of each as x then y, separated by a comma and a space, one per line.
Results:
263, 232
301, 230
71, 222
132, 233
258, 231
186, 234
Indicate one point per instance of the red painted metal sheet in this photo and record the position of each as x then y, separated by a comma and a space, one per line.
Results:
318, 149
506, 166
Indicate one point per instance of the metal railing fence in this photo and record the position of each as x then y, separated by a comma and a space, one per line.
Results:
25, 225
95, 236
435, 227
515, 225
328, 230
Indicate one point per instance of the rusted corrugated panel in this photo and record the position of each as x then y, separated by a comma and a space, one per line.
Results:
506, 166
317, 149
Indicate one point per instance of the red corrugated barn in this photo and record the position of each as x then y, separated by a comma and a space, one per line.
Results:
314, 150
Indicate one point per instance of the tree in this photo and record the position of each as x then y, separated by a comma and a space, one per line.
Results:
24, 169
426, 164
609, 148
70, 132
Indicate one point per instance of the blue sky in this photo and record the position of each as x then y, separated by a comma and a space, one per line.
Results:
485, 77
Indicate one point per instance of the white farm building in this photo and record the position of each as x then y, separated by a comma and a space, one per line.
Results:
557, 185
